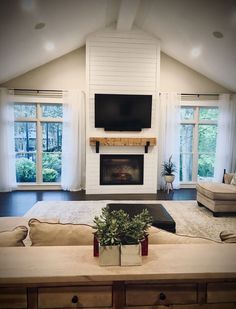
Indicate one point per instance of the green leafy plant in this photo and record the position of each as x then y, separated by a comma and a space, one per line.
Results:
52, 161
116, 227
25, 170
49, 175
108, 226
168, 168
136, 228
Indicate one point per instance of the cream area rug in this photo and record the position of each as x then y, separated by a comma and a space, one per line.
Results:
189, 217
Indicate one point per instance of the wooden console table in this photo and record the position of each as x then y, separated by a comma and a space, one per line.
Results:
199, 276
127, 141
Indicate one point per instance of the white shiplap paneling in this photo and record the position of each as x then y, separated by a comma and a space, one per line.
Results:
122, 63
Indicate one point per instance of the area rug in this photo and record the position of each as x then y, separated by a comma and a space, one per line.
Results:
189, 217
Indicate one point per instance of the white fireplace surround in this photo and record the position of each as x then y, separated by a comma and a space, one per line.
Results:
121, 63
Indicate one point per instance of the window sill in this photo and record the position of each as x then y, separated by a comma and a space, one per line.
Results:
185, 185
44, 186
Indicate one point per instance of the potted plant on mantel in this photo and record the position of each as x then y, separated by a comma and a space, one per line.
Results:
119, 236
168, 170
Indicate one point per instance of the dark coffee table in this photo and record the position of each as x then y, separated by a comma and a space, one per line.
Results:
161, 218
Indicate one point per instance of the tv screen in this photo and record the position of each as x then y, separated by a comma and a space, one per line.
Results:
122, 112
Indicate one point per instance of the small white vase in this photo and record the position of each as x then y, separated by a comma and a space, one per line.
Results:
130, 255
109, 255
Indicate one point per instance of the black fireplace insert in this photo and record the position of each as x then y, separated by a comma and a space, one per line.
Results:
125, 169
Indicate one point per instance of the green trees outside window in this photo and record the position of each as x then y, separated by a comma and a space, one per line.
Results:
25, 169
206, 150
198, 135
38, 141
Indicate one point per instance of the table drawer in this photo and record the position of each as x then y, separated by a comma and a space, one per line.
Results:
75, 297
161, 294
224, 292
13, 298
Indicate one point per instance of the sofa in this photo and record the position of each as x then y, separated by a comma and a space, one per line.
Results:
220, 198
20, 231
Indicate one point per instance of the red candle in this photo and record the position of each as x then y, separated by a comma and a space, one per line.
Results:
144, 246
95, 246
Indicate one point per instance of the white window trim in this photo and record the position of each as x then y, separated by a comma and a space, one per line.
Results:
45, 186
196, 103
206, 103
32, 100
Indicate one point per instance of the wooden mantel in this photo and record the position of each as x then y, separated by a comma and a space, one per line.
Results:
122, 141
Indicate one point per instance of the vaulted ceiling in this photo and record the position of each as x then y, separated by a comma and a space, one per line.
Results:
184, 27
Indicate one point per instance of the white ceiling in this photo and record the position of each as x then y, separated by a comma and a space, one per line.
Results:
184, 27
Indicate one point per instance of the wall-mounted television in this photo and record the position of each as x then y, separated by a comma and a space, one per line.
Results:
123, 112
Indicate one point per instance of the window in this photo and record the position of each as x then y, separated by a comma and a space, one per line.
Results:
38, 142
198, 135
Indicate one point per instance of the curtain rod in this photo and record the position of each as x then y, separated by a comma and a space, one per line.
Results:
198, 94
54, 90
37, 90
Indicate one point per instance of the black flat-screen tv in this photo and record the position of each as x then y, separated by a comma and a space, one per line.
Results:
123, 112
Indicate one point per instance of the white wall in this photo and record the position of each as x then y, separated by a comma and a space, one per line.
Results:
121, 62
177, 77
68, 72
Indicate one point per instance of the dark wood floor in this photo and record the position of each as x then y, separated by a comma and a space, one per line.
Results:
18, 202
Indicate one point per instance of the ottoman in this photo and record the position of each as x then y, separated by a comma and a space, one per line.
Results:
220, 198
161, 218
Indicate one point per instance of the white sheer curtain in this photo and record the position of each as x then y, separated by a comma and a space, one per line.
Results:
226, 136
7, 149
233, 163
73, 141
168, 115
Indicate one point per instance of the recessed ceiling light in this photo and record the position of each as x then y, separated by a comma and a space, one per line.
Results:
27, 5
49, 46
39, 26
196, 51
218, 34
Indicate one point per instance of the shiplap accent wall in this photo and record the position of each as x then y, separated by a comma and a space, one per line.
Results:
121, 63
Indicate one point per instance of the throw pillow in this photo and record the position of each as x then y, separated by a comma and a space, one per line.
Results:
59, 234
228, 177
229, 237
158, 236
233, 181
13, 238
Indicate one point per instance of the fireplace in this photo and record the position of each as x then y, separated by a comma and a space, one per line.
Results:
121, 169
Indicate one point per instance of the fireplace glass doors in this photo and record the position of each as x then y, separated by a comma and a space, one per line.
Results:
121, 169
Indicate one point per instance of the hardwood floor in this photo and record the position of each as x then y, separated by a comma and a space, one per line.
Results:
18, 202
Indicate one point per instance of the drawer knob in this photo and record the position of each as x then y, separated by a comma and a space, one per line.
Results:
75, 299
162, 296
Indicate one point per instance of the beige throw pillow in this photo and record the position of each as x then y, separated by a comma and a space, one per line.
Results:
228, 178
13, 238
59, 234
233, 181
158, 236
229, 237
